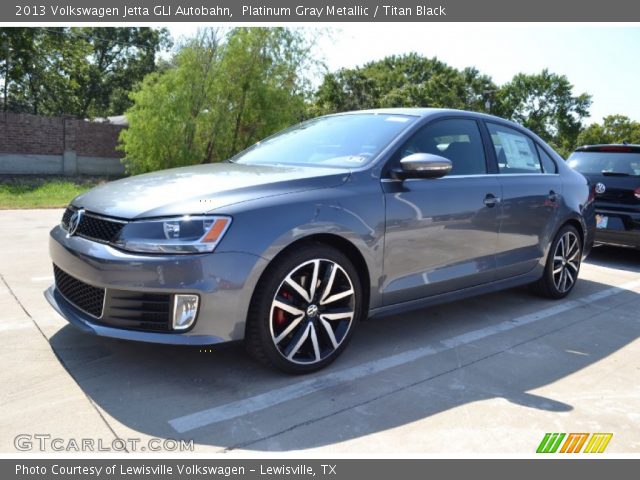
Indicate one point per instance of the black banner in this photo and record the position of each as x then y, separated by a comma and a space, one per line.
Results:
319, 469
313, 11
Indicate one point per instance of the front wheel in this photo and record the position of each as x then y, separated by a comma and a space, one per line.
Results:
563, 265
305, 309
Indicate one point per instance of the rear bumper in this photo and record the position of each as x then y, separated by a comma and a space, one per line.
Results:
623, 239
623, 228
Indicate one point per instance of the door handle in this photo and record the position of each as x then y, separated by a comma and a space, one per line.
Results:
553, 196
491, 200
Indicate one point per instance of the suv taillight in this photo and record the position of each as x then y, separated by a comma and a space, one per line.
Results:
636, 193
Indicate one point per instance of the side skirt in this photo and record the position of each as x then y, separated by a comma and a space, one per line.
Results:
485, 288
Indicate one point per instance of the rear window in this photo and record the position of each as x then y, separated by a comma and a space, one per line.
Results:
516, 153
605, 162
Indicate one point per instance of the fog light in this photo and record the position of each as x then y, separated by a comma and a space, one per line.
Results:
185, 309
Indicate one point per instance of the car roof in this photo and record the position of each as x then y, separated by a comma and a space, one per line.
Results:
424, 112
610, 147
414, 112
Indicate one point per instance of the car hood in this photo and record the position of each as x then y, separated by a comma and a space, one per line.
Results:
202, 188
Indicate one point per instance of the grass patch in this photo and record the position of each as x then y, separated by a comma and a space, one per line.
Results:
28, 191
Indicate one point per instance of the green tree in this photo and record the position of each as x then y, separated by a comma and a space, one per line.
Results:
34, 64
86, 72
222, 94
613, 129
169, 111
14, 56
403, 81
544, 103
118, 59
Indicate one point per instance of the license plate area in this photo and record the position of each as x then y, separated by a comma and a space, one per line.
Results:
602, 221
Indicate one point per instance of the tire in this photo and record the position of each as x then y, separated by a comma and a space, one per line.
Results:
562, 266
299, 329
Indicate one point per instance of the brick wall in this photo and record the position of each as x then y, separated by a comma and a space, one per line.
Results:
37, 135
31, 134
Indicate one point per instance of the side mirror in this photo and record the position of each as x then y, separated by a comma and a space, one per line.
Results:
423, 165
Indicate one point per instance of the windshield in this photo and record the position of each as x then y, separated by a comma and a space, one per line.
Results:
605, 162
350, 141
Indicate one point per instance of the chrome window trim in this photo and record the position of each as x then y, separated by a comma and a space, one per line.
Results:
479, 175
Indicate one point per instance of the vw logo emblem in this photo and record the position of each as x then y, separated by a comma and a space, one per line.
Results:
74, 222
600, 188
312, 311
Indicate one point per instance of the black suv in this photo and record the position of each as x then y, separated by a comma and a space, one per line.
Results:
614, 171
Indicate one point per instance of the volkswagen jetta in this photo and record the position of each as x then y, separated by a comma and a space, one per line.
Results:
292, 242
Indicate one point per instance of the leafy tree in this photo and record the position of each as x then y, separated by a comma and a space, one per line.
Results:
403, 81
223, 94
86, 72
31, 76
119, 58
169, 111
544, 103
614, 129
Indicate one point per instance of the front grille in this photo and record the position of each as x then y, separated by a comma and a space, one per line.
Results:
86, 297
138, 310
66, 216
99, 229
93, 227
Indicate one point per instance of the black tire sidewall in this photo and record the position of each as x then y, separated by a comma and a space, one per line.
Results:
270, 283
548, 272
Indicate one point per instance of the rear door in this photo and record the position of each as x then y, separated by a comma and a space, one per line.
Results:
531, 194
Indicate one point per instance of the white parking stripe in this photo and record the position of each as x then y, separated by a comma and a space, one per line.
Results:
15, 325
48, 278
280, 395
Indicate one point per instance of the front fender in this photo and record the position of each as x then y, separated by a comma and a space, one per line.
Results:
353, 212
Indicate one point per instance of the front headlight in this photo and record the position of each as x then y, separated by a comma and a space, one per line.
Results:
188, 234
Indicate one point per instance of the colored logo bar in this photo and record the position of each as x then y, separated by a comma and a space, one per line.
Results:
574, 442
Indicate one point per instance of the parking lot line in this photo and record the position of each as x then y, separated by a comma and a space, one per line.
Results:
299, 389
48, 278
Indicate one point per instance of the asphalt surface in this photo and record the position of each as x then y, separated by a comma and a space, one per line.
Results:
488, 375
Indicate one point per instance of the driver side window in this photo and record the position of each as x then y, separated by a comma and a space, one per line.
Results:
457, 140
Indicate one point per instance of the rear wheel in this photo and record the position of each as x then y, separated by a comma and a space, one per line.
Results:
304, 310
563, 264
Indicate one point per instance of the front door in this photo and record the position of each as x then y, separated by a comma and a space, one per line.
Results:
441, 234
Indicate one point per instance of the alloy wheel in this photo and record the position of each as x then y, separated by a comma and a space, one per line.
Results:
566, 262
312, 311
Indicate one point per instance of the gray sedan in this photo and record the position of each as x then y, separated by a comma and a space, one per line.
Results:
294, 241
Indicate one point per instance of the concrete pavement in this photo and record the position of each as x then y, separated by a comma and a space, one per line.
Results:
490, 374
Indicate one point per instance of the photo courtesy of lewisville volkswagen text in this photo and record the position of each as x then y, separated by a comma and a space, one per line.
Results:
269, 238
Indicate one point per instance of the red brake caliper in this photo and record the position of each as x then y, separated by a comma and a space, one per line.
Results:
279, 313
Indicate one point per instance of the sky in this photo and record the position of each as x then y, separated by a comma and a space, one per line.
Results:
602, 60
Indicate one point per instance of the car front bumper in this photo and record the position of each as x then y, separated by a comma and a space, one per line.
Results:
224, 283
